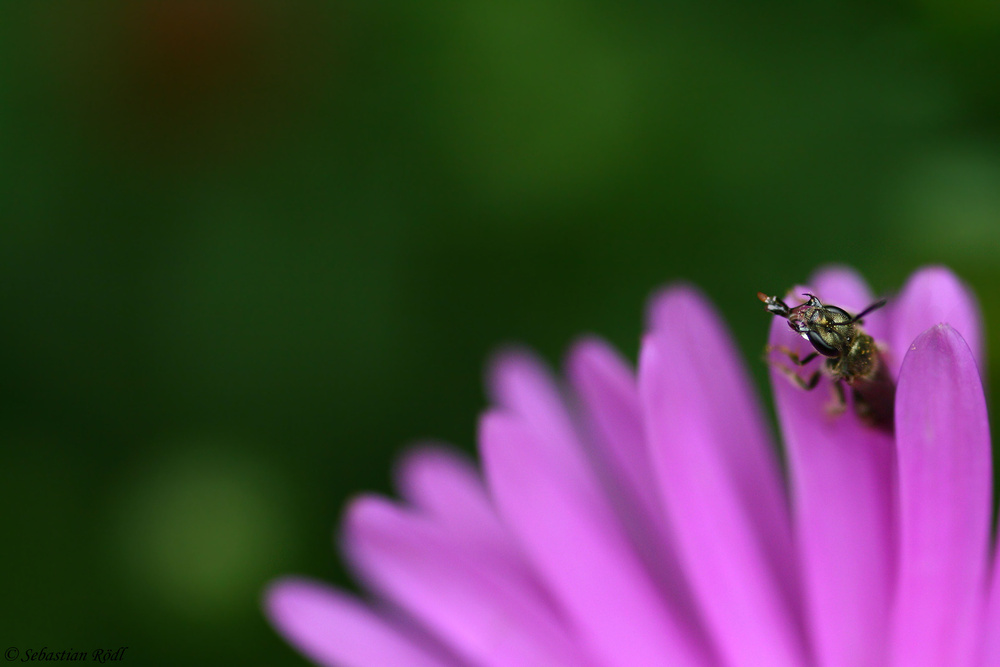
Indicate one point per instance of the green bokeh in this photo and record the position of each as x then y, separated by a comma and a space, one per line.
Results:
250, 250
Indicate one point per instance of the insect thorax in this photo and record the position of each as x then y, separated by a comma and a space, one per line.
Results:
860, 362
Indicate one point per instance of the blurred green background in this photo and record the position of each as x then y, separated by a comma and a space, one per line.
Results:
250, 250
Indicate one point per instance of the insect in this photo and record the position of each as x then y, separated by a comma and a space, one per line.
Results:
853, 360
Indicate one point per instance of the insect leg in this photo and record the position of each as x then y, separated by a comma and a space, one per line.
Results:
807, 384
793, 356
838, 400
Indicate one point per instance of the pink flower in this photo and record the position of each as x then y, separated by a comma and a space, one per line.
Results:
644, 519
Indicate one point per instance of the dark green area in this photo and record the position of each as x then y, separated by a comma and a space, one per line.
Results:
249, 250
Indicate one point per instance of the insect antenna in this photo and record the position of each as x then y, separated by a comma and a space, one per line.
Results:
873, 307
857, 318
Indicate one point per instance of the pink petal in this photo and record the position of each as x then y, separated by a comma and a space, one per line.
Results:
610, 396
943, 446
520, 383
720, 483
608, 391
990, 649
446, 485
933, 295
841, 474
478, 601
569, 532
334, 628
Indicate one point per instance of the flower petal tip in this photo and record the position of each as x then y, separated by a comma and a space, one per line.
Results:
420, 462
584, 349
669, 303
942, 339
363, 514
932, 295
593, 361
840, 275
280, 595
300, 610
502, 367
518, 380
941, 283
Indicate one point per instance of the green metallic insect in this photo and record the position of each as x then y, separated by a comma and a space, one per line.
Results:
853, 360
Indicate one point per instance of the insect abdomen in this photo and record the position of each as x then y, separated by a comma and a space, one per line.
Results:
861, 361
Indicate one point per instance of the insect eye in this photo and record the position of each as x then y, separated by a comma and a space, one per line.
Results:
821, 345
